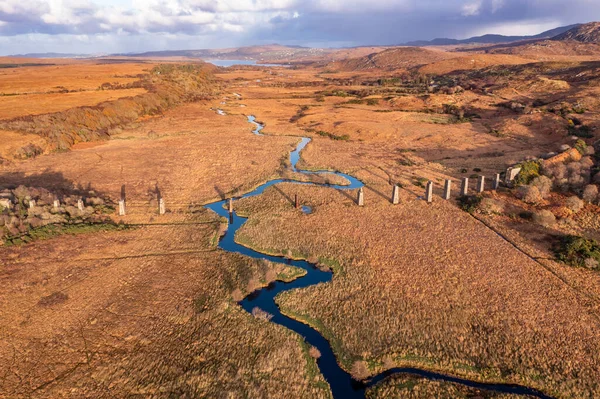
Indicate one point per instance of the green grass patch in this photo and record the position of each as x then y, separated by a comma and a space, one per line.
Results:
312, 370
333, 264
469, 203
420, 182
290, 274
578, 251
529, 171
332, 136
54, 230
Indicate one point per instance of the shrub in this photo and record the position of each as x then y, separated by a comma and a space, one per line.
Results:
261, 314
237, 295
529, 194
574, 204
578, 251
578, 174
581, 131
543, 184
529, 171
359, 371
544, 218
314, 352
586, 163
590, 193
591, 263
469, 203
581, 146
491, 206
558, 171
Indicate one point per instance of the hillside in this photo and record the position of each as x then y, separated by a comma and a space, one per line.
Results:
548, 49
588, 33
272, 52
164, 87
394, 58
471, 62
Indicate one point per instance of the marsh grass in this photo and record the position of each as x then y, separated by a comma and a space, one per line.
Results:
53, 230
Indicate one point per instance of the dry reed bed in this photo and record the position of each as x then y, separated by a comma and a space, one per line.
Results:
194, 156
429, 286
143, 312
409, 387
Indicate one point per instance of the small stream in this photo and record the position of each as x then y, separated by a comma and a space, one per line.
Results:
343, 386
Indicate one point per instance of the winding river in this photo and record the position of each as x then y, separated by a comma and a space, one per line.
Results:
341, 383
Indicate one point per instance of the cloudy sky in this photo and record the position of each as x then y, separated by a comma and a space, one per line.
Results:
114, 26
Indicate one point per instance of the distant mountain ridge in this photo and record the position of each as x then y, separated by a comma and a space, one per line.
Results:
493, 39
51, 55
271, 51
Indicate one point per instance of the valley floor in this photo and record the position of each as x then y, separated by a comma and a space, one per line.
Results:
151, 309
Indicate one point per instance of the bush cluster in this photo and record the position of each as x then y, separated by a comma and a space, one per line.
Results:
578, 251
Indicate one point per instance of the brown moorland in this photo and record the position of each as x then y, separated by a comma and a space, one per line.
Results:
415, 284
147, 311
366, 240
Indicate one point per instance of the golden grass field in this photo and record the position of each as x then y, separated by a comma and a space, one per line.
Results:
37, 90
150, 310
35, 104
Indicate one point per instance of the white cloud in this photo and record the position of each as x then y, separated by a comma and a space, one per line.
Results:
127, 25
472, 8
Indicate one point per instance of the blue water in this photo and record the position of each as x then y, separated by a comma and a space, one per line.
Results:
342, 385
306, 209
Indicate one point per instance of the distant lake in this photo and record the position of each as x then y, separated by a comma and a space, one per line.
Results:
228, 63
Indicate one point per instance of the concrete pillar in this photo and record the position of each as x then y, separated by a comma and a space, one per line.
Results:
230, 205
161, 207
464, 187
121, 207
56, 204
429, 192
31, 204
396, 195
296, 203
80, 204
447, 189
361, 197
497, 181
481, 184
